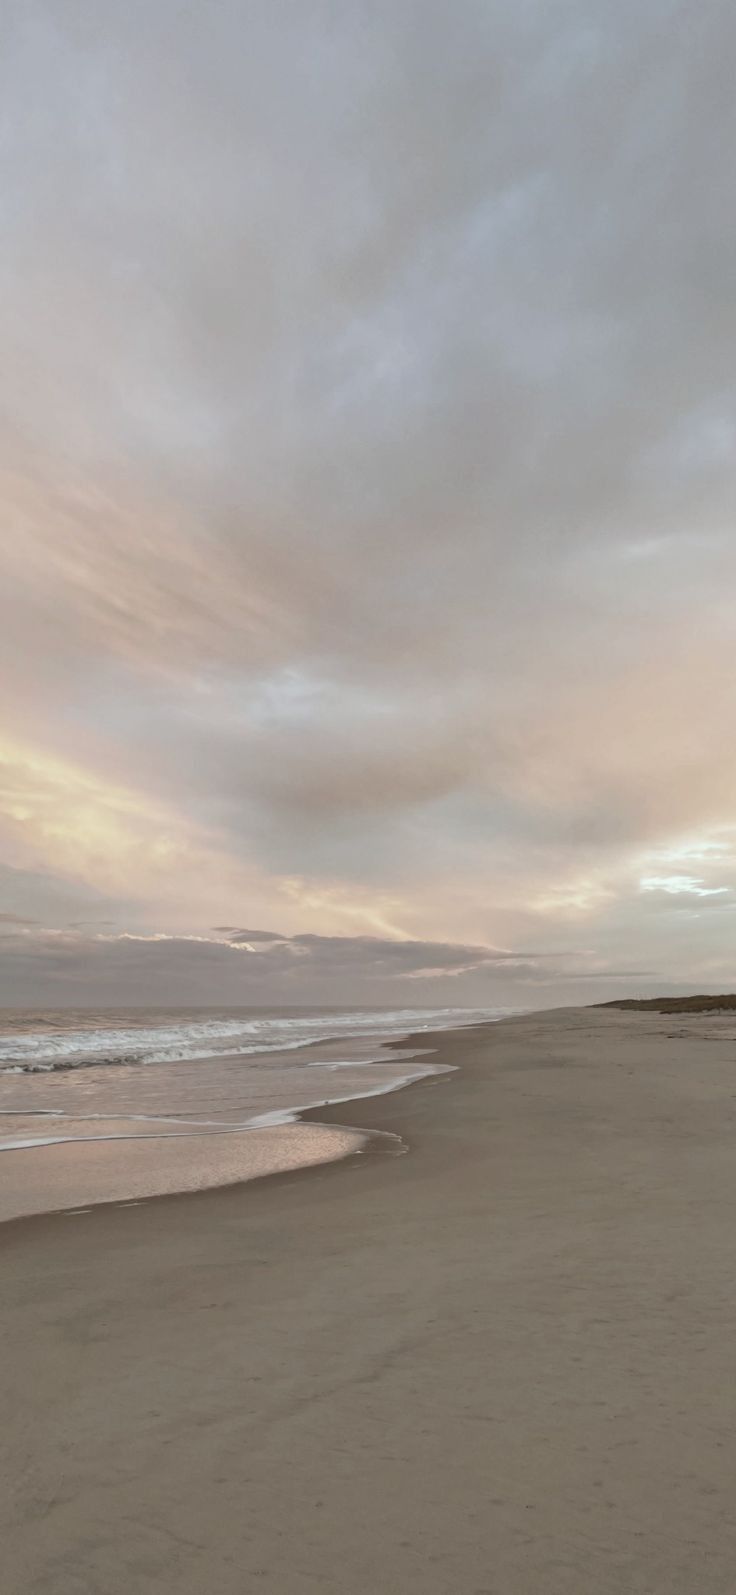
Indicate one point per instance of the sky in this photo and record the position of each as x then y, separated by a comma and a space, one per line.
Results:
367, 549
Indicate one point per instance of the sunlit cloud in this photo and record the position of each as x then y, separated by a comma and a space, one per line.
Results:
681, 885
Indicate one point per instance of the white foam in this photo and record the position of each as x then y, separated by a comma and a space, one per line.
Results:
41, 1048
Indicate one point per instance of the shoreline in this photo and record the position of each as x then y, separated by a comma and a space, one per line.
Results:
325, 1115
501, 1364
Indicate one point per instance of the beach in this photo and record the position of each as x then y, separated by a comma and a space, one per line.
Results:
499, 1364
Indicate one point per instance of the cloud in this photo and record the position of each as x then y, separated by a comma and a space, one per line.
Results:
56, 965
367, 471
72, 966
682, 886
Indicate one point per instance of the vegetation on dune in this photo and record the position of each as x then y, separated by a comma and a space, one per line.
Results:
701, 1004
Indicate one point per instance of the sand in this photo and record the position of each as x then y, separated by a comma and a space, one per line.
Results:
501, 1363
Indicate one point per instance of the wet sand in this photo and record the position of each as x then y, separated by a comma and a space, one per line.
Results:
499, 1365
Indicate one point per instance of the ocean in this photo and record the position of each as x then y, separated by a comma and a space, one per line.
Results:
118, 1105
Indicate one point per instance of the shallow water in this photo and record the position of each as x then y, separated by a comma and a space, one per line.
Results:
98, 1129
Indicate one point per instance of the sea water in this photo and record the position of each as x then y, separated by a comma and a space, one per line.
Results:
112, 1105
